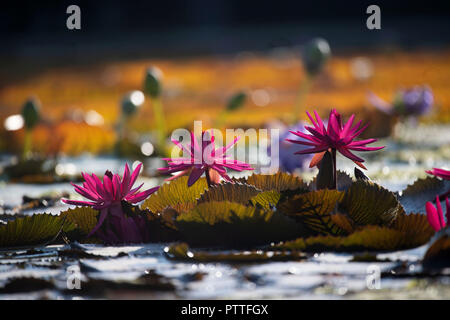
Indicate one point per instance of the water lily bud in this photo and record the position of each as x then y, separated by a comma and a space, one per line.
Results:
152, 85
315, 55
30, 113
132, 101
236, 101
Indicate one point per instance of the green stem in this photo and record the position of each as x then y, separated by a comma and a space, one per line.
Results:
27, 144
160, 123
220, 119
301, 95
333, 156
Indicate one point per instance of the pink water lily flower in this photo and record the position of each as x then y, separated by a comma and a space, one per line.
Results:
107, 196
214, 162
336, 136
441, 173
435, 215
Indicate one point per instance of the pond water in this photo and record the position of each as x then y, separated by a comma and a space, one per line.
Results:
145, 271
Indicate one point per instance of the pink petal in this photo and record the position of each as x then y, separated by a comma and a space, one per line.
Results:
134, 175
440, 212
432, 216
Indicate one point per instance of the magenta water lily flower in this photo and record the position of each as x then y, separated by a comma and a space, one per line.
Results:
205, 158
435, 215
336, 136
107, 196
441, 173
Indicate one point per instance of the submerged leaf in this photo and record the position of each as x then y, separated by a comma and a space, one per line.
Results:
176, 194
182, 252
233, 224
368, 203
415, 196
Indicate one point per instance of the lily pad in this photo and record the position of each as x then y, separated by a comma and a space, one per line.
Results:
415, 196
314, 210
176, 194
234, 225
280, 181
32, 230
233, 192
367, 203
409, 232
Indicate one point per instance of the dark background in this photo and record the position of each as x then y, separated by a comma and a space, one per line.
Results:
176, 27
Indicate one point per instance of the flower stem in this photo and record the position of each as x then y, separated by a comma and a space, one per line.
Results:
333, 157
160, 123
27, 144
208, 178
302, 91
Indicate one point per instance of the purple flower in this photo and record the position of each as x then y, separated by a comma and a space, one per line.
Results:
213, 163
410, 102
288, 161
107, 197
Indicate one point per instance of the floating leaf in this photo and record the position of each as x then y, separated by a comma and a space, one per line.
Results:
368, 203
233, 224
408, 232
32, 230
182, 252
176, 194
343, 222
415, 196
438, 254
233, 192
314, 209
84, 218
266, 199
160, 225
281, 181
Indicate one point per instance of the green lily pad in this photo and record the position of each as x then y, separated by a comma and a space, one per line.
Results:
280, 181
314, 210
176, 194
367, 203
409, 231
233, 192
32, 230
233, 224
